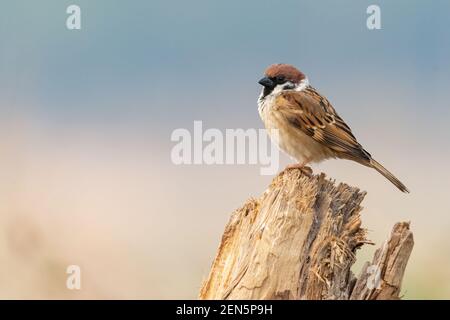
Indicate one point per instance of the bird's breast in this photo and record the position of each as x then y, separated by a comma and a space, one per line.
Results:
288, 138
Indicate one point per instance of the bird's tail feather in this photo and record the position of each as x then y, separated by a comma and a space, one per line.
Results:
377, 166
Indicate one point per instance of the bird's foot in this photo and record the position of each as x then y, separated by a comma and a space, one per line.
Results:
303, 168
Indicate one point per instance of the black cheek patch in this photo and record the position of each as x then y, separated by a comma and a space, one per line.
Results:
288, 86
267, 91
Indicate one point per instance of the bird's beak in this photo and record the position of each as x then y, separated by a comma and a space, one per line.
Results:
266, 82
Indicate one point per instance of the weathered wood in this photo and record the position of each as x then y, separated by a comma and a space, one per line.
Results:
382, 279
298, 241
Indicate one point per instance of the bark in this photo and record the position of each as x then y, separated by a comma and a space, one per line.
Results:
298, 241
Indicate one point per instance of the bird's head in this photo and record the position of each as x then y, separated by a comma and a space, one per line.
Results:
278, 77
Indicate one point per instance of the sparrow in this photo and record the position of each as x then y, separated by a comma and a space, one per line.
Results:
309, 129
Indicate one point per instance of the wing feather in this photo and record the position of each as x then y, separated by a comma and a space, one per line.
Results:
313, 114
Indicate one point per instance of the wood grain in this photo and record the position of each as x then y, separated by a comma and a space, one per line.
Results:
298, 241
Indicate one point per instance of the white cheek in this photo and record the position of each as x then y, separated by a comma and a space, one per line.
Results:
302, 85
278, 89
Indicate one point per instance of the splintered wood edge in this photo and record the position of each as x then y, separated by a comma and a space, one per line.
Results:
220, 275
382, 278
217, 285
223, 256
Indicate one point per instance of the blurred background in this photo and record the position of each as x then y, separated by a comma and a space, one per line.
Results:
86, 117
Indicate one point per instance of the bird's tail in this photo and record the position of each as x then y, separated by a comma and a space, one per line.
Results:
388, 175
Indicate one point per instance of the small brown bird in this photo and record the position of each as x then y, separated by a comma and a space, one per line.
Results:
309, 129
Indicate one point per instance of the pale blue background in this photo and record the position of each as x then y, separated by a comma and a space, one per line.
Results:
86, 118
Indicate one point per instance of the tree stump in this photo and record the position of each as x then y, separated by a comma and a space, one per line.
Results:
298, 241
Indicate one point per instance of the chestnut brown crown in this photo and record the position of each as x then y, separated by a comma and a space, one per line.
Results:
286, 71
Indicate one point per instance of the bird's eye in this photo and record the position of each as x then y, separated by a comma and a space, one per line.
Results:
280, 79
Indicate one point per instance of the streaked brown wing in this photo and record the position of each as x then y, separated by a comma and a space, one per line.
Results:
310, 112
